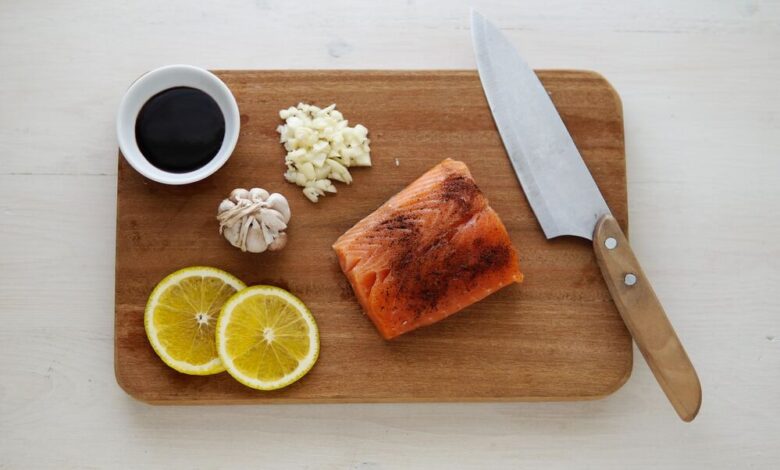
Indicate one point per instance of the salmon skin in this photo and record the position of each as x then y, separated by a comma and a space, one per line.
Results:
430, 251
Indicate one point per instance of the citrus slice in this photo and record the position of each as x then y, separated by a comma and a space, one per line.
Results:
267, 338
181, 316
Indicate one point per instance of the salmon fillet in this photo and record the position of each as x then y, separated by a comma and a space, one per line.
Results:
431, 250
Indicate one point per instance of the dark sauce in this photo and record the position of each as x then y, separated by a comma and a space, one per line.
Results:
180, 129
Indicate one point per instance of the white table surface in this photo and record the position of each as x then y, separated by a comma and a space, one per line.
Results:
699, 82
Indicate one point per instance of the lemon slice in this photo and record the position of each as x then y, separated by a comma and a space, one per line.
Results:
181, 316
267, 338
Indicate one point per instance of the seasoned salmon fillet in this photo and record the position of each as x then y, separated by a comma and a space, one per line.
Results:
431, 250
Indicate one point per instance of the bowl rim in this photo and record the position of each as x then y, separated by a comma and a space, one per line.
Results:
161, 79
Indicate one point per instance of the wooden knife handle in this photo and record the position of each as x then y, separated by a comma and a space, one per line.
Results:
645, 318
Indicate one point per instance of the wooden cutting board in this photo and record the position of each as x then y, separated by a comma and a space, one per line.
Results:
557, 336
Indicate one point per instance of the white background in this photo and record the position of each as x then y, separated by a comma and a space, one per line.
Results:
699, 82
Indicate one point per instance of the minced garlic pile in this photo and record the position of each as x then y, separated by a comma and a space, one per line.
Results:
321, 147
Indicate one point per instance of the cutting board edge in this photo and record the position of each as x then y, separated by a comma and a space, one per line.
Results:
145, 397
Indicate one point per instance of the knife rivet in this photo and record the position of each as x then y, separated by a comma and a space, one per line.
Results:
610, 243
630, 279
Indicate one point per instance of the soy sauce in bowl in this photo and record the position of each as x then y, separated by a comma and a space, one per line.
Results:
180, 129
178, 124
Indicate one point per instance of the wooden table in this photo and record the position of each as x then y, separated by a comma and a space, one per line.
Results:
699, 87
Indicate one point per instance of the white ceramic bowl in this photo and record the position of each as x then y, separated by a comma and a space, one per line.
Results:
162, 79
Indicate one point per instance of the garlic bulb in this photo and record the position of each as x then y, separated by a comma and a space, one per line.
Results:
254, 220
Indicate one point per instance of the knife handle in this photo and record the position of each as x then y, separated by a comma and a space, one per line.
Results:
644, 316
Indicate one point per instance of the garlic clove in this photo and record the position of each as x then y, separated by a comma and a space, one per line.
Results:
311, 194
321, 172
230, 233
268, 235
255, 241
339, 172
279, 243
325, 185
258, 194
279, 203
291, 175
363, 160
308, 171
273, 220
225, 205
239, 194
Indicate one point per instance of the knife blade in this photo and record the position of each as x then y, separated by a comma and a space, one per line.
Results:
566, 201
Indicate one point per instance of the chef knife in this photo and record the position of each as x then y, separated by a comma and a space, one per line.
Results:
566, 201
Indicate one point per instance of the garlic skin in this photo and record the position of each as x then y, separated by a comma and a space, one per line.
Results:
254, 220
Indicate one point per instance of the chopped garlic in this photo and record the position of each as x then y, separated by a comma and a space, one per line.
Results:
321, 147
